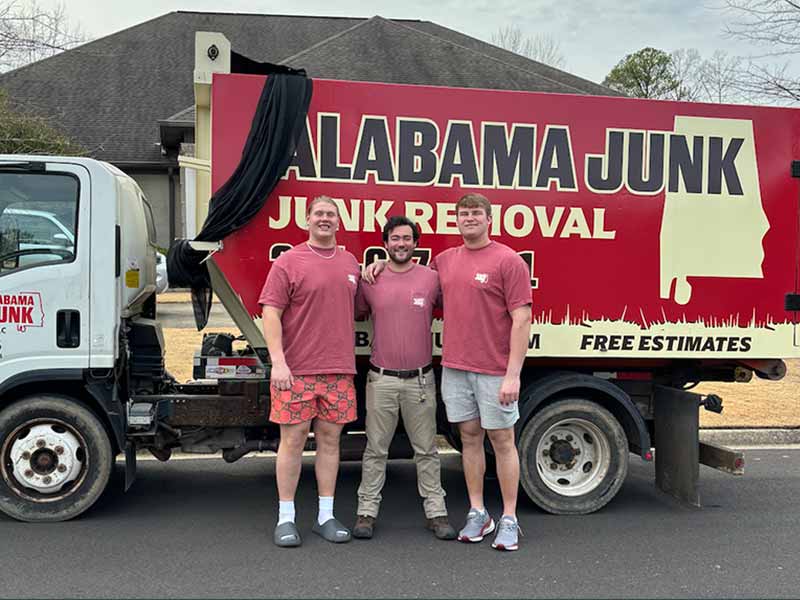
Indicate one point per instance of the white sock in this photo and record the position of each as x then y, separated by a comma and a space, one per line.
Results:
285, 511
325, 509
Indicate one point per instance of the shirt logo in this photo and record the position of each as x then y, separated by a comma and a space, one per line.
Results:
418, 302
352, 279
482, 277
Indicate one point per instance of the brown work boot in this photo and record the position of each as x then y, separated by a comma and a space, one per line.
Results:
364, 527
441, 528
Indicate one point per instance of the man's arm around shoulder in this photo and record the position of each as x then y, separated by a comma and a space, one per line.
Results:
361, 304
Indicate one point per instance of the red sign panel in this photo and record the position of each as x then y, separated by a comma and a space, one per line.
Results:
651, 228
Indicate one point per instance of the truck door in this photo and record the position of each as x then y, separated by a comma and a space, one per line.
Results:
44, 275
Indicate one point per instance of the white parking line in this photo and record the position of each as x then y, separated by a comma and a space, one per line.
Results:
784, 447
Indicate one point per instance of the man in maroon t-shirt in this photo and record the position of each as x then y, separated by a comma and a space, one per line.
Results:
308, 304
400, 381
487, 317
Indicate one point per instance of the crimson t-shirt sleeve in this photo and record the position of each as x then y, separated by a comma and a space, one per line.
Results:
517, 282
275, 292
438, 302
362, 305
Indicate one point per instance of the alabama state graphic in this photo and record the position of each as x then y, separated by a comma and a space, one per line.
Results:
713, 235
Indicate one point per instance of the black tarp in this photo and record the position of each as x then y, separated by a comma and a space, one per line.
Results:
277, 123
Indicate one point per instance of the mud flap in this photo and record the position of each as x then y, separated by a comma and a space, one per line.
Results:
677, 443
130, 464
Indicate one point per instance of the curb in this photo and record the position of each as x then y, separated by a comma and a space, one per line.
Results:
742, 438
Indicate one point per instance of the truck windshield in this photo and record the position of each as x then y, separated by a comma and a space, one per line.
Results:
38, 219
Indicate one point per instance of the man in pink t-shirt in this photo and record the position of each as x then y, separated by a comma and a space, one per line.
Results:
400, 381
308, 304
487, 318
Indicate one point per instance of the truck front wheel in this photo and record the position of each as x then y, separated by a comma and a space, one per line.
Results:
574, 457
56, 458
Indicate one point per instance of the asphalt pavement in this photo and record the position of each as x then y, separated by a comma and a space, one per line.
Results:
202, 528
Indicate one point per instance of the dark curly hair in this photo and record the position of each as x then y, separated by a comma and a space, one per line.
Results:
399, 221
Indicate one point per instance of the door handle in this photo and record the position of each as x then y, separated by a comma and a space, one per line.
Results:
68, 328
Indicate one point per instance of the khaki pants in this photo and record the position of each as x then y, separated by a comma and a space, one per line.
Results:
387, 398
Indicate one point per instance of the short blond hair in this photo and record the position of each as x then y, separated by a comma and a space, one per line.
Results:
474, 200
319, 199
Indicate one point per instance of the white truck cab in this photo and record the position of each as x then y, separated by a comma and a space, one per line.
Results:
77, 262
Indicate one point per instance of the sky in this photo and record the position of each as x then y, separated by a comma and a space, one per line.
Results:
593, 34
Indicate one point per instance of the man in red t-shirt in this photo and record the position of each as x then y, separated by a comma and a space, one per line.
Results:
308, 305
400, 382
487, 317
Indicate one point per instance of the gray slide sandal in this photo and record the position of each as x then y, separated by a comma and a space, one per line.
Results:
287, 536
332, 530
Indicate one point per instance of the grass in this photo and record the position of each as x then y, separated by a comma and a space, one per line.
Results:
759, 403
170, 297
180, 347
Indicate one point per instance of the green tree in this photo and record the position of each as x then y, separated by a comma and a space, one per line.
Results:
648, 73
22, 133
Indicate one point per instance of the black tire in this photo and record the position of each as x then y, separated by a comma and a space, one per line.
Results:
574, 476
59, 418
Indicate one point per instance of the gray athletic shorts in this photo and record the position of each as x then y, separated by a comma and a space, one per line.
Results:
469, 395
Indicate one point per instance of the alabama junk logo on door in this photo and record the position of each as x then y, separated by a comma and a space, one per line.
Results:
23, 309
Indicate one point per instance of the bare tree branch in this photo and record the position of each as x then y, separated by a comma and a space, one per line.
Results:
545, 49
540, 47
686, 67
769, 82
774, 25
771, 23
29, 32
719, 79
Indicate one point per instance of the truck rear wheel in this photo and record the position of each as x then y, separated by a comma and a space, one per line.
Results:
574, 457
55, 458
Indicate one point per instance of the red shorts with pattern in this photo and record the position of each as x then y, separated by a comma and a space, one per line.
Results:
330, 397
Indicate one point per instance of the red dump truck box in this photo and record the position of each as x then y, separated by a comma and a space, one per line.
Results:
652, 229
